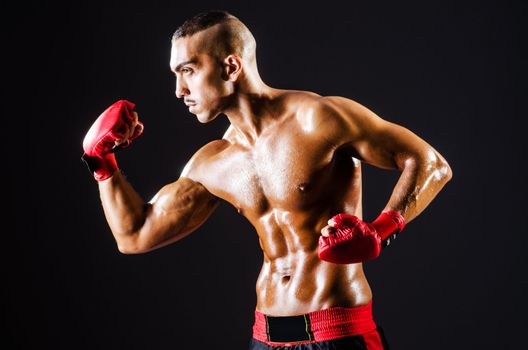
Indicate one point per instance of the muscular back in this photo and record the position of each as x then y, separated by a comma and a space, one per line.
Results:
287, 184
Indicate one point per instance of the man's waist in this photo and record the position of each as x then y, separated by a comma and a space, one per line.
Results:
318, 325
311, 286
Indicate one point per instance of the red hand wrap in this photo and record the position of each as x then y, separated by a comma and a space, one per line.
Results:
101, 167
388, 222
352, 242
355, 241
99, 143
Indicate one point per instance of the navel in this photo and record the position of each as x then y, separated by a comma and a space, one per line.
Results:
285, 279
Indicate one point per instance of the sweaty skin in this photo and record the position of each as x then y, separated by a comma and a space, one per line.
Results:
289, 162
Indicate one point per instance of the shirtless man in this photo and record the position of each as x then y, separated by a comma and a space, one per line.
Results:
290, 161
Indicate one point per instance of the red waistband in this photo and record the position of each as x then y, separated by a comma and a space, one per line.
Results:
335, 322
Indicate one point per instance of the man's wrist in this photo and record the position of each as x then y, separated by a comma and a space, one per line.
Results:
101, 168
388, 225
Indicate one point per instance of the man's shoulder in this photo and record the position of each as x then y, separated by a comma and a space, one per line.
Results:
306, 102
324, 104
297, 101
203, 157
320, 112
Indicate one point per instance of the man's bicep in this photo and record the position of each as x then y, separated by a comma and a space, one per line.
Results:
388, 145
205, 204
189, 195
175, 211
376, 141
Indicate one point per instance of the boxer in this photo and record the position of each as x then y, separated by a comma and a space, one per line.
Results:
290, 162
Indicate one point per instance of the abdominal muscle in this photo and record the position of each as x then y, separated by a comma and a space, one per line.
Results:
299, 282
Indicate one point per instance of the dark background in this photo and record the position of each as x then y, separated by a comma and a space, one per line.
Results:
452, 72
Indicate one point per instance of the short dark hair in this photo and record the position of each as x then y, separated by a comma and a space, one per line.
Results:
201, 22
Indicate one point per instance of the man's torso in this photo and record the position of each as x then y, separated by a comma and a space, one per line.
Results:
288, 184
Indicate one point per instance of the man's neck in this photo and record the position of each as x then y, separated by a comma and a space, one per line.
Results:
251, 110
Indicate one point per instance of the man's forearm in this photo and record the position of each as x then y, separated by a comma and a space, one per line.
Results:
422, 178
124, 208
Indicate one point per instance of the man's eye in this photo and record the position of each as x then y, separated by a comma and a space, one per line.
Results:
186, 70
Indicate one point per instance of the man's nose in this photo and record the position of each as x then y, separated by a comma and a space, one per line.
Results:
181, 89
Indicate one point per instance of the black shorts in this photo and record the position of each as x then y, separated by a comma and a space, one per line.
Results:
356, 342
336, 328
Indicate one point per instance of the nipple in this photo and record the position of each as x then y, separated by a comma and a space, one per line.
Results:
304, 187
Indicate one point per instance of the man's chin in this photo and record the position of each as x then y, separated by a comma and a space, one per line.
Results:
205, 117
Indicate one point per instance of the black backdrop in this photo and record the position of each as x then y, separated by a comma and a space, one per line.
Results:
453, 72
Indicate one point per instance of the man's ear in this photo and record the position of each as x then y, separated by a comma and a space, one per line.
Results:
233, 67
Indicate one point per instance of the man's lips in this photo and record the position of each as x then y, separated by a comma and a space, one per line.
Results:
190, 103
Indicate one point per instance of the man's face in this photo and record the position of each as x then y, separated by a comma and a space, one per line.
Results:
199, 78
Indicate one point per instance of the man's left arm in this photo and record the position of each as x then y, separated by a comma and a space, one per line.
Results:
362, 134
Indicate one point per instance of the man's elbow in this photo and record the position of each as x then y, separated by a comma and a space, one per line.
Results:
442, 169
446, 169
127, 250
130, 246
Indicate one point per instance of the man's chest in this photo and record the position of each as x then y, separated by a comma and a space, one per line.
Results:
284, 171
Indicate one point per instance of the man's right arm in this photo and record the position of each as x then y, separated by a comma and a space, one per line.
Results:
174, 212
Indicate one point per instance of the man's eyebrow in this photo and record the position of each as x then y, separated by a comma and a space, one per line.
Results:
179, 67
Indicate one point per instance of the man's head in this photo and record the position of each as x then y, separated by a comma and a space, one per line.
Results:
210, 52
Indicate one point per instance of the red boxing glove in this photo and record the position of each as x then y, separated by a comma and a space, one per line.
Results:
99, 144
356, 241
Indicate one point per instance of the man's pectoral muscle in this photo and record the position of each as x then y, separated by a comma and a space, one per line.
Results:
175, 211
